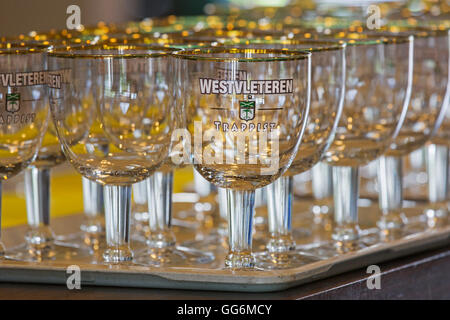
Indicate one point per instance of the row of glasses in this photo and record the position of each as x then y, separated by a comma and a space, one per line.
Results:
128, 116
166, 182
428, 103
437, 155
377, 93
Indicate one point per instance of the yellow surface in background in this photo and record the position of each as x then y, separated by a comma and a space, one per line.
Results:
66, 196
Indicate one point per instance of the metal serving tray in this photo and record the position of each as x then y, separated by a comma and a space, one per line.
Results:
213, 276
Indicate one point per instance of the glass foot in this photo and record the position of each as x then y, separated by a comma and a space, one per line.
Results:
57, 251
172, 257
332, 249
301, 232
140, 232
199, 212
286, 260
213, 242
117, 255
91, 242
240, 261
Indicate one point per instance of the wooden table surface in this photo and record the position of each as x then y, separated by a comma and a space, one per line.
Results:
421, 276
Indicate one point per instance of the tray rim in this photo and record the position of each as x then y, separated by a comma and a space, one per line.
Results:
221, 279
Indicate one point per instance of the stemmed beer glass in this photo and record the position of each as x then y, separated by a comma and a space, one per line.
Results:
122, 83
378, 88
428, 102
248, 130
327, 96
23, 108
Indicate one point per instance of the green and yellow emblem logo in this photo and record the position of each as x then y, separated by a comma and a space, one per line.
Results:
12, 102
246, 110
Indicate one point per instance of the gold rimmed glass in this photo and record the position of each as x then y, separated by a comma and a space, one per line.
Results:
152, 199
112, 123
250, 108
41, 243
377, 93
327, 96
428, 103
24, 111
91, 234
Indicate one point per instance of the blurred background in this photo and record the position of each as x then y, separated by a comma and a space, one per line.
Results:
23, 16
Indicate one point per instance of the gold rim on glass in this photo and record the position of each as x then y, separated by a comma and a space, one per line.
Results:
22, 47
369, 37
116, 51
322, 45
170, 42
422, 31
203, 54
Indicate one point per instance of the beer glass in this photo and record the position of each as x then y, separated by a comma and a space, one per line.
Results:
91, 235
327, 96
424, 116
378, 89
250, 109
114, 100
23, 107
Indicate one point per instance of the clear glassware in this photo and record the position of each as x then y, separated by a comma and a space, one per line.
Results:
212, 239
140, 215
327, 96
117, 96
217, 239
93, 225
438, 207
428, 102
162, 249
24, 111
317, 219
91, 236
40, 240
322, 190
202, 213
378, 88
234, 115
437, 159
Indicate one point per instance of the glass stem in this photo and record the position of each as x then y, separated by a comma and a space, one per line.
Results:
322, 189
260, 221
117, 219
438, 170
279, 207
140, 203
94, 208
223, 211
390, 193
201, 186
346, 192
37, 193
241, 209
159, 188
